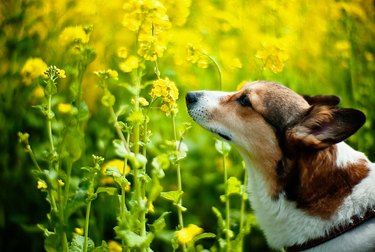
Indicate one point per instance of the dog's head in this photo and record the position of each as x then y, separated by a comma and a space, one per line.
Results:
267, 121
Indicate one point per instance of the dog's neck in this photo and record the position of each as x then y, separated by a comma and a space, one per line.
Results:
312, 197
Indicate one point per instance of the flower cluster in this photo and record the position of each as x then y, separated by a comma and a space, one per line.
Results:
32, 69
107, 74
149, 19
168, 92
53, 73
274, 55
74, 34
196, 55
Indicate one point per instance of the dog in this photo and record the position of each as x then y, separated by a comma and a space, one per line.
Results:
309, 190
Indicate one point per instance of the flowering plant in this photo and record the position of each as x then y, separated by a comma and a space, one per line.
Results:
109, 159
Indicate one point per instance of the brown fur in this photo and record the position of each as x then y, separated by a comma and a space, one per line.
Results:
319, 186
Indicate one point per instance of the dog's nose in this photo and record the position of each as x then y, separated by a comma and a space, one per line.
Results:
191, 97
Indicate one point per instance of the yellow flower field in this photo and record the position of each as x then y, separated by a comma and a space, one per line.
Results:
97, 150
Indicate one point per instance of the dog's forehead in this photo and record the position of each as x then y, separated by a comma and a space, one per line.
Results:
277, 103
270, 91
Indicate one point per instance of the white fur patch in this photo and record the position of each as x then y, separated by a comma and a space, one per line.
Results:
347, 155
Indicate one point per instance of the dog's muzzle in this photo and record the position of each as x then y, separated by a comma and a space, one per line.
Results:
200, 114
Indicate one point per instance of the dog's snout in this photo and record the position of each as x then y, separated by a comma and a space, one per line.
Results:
192, 97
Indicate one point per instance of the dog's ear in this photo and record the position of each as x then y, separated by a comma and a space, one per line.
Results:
329, 100
322, 126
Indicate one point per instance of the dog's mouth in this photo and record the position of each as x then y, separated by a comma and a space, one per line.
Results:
225, 136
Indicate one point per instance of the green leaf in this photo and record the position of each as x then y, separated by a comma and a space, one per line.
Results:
122, 181
109, 190
78, 242
74, 143
84, 112
141, 160
161, 161
120, 149
173, 196
52, 242
159, 224
155, 190
42, 109
182, 150
220, 220
102, 248
134, 240
122, 110
204, 236
50, 88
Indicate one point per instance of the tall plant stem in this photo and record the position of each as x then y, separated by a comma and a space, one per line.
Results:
179, 180
227, 206
49, 123
87, 220
138, 183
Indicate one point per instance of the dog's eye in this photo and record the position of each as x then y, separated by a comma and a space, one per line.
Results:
244, 101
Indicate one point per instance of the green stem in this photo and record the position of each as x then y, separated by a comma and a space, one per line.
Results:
88, 209
179, 180
49, 123
64, 239
32, 156
119, 130
138, 184
67, 182
218, 70
242, 210
227, 206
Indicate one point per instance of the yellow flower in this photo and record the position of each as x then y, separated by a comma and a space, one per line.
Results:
61, 74
344, 48
114, 246
61, 183
74, 34
41, 185
167, 90
33, 68
178, 11
369, 56
79, 231
149, 19
133, 13
164, 108
38, 92
196, 55
107, 74
273, 55
131, 63
122, 52
116, 163
113, 74
186, 235
64, 108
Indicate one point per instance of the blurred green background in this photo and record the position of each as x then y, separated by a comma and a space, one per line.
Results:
314, 47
